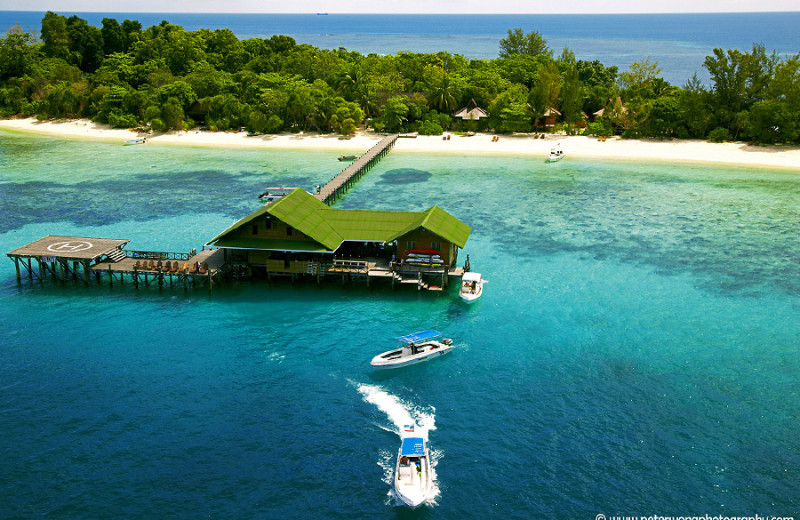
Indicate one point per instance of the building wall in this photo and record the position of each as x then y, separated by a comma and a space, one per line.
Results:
264, 227
421, 239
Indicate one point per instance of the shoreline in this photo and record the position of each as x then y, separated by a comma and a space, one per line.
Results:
579, 147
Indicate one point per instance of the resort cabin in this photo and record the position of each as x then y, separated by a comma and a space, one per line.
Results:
551, 117
613, 106
298, 234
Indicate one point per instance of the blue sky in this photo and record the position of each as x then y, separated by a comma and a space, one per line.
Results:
405, 6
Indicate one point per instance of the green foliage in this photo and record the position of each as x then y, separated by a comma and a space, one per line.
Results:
572, 96
599, 128
170, 78
395, 112
510, 110
719, 135
771, 122
517, 42
544, 94
430, 128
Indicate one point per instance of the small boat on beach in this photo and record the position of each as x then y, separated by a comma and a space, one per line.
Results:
556, 154
471, 287
414, 348
413, 482
348, 157
140, 140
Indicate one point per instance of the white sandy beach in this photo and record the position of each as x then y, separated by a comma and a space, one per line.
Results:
578, 147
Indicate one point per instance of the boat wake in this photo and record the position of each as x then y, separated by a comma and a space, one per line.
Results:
400, 414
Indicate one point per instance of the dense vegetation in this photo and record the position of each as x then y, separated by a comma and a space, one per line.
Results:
164, 77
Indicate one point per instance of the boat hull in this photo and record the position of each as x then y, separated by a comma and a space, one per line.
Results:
394, 358
413, 487
471, 297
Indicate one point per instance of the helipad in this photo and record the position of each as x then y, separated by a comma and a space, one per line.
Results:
78, 248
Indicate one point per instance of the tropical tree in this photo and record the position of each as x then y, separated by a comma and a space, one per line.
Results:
544, 94
395, 114
572, 96
442, 90
517, 42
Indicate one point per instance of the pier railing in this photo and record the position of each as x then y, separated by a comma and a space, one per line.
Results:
159, 255
336, 187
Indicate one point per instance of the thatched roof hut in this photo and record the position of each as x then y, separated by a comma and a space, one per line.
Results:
471, 112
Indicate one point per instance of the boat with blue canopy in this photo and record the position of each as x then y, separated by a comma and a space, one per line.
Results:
414, 348
413, 482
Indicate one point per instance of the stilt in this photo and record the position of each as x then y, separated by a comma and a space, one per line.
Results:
16, 265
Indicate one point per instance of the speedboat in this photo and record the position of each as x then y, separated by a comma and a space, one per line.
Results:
140, 140
348, 157
471, 287
556, 154
414, 348
413, 482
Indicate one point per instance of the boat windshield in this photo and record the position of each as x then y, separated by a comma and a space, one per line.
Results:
423, 335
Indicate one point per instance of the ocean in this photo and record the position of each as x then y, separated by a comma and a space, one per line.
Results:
678, 42
635, 351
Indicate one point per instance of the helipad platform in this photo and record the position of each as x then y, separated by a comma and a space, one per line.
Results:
77, 248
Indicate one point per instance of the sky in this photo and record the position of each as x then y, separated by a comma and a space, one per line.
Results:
405, 6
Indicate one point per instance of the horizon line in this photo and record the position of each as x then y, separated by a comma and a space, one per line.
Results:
604, 13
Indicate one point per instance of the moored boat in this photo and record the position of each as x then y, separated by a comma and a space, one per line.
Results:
140, 140
414, 348
556, 154
348, 157
413, 482
471, 287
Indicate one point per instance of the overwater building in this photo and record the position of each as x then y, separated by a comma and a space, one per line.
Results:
299, 236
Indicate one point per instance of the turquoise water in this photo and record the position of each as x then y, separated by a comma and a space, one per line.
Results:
678, 42
635, 351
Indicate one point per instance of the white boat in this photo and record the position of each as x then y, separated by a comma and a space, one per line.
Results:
471, 287
556, 154
414, 348
140, 140
413, 482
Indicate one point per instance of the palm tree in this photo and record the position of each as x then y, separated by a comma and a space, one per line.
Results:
354, 87
443, 95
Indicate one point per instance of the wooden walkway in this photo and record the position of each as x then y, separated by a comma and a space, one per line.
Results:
337, 186
199, 268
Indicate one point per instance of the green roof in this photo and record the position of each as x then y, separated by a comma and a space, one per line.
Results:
330, 227
438, 221
272, 244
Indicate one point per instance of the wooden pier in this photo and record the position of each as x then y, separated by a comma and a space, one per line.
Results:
337, 186
65, 258
271, 247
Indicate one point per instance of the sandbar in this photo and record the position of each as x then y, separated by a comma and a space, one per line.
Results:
578, 147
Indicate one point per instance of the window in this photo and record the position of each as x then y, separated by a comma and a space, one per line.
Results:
288, 231
411, 245
436, 246
268, 223
255, 229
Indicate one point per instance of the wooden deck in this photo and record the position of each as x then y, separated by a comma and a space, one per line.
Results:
336, 187
204, 267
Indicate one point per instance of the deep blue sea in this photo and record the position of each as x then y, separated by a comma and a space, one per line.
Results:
678, 42
636, 350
